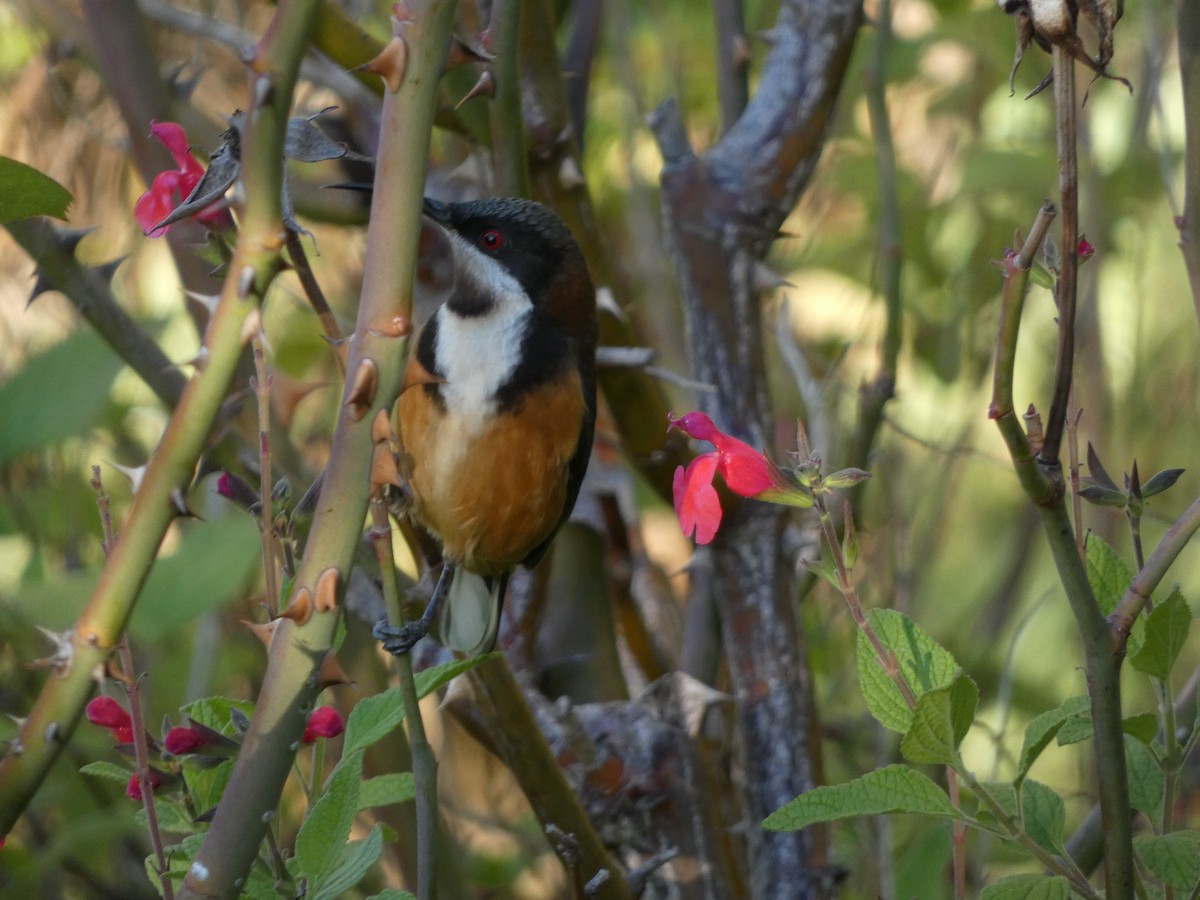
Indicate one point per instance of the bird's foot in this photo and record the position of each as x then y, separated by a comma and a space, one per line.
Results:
399, 640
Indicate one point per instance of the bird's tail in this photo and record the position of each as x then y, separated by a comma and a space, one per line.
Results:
470, 616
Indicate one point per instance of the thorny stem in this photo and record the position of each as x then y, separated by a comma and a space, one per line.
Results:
262, 392
141, 751
1068, 195
1135, 532
423, 761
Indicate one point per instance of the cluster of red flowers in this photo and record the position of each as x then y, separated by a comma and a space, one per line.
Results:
325, 722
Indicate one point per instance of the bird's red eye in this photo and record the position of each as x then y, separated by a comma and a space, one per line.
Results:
491, 240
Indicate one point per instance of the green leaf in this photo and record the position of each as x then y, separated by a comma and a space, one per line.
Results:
1043, 729
373, 717
216, 712
1164, 636
172, 816
940, 721
111, 771
1043, 815
25, 192
1174, 857
393, 894
354, 861
892, 789
434, 677
1075, 730
925, 664
1143, 726
58, 393
384, 790
179, 860
1028, 887
1145, 779
1108, 574
327, 825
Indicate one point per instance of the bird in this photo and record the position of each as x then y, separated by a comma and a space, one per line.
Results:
497, 410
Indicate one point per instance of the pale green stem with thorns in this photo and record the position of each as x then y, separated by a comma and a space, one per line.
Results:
411, 65
262, 391
424, 763
169, 472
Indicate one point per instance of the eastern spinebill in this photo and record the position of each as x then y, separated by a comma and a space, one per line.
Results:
497, 409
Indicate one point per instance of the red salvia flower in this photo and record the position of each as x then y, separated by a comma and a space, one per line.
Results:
158, 202
325, 722
108, 713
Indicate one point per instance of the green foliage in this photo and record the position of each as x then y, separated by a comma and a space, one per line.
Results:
891, 789
59, 393
1043, 729
322, 837
1165, 634
940, 722
1175, 857
1028, 887
25, 192
375, 716
926, 667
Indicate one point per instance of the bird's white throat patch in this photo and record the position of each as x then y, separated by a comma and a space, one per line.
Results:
479, 353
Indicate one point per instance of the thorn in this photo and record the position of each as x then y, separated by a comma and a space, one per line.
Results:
363, 389
486, 86
569, 174
741, 51
245, 283
301, 608
107, 270
392, 61
41, 285
384, 469
180, 504
198, 360
135, 475
180, 87
381, 428
62, 657
327, 585
208, 301
263, 91
264, 631
252, 328
767, 279
606, 300
331, 672
461, 53
68, 239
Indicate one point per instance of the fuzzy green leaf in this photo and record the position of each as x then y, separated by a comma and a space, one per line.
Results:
392, 894
172, 816
384, 790
323, 835
1175, 857
1028, 887
1043, 815
25, 192
1107, 573
354, 861
1165, 634
892, 789
375, 716
1043, 729
1143, 726
111, 771
1145, 779
940, 721
925, 664
56, 394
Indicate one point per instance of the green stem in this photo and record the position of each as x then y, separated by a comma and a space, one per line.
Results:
423, 760
508, 132
266, 527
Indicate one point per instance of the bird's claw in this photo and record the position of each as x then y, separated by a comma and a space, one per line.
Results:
399, 640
